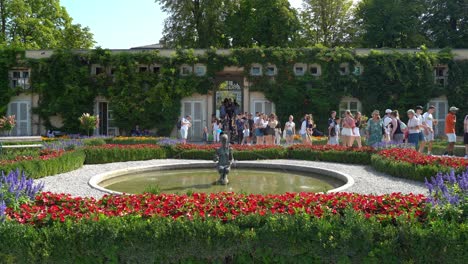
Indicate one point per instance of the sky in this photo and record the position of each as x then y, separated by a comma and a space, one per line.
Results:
122, 24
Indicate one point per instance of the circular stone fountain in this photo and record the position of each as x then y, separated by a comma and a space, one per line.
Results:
245, 177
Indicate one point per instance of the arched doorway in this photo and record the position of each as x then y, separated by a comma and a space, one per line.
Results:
230, 89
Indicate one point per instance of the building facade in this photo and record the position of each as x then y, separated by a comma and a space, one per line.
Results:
229, 82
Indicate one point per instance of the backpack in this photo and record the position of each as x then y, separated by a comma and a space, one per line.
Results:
179, 124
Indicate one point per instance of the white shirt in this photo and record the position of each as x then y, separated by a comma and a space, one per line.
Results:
303, 128
412, 123
185, 124
255, 119
428, 118
215, 127
420, 121
290, 125
387, 120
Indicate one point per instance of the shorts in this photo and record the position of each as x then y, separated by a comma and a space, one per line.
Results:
289, 133
356, 132
465, 139
259, 132
421, 137
452, 138
184, 133
429, 136
347, 132
269, 131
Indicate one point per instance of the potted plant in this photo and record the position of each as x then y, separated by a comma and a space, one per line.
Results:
7, 123
89, 122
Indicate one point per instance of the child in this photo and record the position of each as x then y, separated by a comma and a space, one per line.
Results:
205, 134
246, 133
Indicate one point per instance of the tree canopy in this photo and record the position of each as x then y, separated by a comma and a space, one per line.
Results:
40, 24
274, 23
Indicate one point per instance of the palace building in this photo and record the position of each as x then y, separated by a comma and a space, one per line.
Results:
230, 82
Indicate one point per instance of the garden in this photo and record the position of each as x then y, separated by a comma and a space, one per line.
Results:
228, 227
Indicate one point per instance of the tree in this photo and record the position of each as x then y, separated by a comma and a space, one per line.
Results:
40, 24
328, 22
391, 23
268, 23
446, 23
195, 23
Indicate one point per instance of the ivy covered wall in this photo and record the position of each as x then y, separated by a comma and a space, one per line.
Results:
389, 80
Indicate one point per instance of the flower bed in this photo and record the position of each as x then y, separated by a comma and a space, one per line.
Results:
331, 153
49, 207
118, 152
408, 163
133, 140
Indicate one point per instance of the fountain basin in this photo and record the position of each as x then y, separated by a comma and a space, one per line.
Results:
200, 176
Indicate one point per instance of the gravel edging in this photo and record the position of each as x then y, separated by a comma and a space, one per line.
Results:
366, 179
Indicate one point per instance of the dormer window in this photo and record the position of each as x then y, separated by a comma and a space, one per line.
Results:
270, 70
142, 69
256, 70
156, 69
300, 69
185, 70
358, 69
344, 69
200, 70
315, 70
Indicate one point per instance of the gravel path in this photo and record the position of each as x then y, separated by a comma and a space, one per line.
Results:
367, 180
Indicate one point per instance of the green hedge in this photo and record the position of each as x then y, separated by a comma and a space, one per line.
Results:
331, 156
238, 155
100, 155
37, 168
254, 239
132, 140
405, 169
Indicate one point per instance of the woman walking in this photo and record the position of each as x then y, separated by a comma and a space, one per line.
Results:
270, 130
259, 130
290, 128
357, 135
374, 129
397, 132
348, 129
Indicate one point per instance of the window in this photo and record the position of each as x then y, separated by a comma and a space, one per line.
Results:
441, 75
350, 103
256, 70
155, 68
200, 70
344, 68
99, 70
271, 70
19, 78
185, 70
358, 69
142, 69
112, 71
315, 70
299, 69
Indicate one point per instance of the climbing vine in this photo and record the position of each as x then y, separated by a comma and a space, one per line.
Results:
9, 58
152, 100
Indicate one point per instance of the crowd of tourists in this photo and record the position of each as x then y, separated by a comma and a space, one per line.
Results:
266, 129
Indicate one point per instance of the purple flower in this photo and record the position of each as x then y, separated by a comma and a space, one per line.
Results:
448, 188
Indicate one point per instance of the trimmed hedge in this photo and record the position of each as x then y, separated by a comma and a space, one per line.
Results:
100, 155
38, 168
238, 155
331, 156
350, 238
405, 170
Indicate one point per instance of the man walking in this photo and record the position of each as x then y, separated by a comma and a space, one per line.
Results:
428, 124
450, 122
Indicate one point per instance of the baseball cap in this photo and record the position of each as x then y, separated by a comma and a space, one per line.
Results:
388, 111
419, 107
453, 109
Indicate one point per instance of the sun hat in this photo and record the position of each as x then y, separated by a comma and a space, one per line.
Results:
388, 111
411, 111
453, 109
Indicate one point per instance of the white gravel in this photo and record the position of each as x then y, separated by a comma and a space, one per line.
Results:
367, 180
